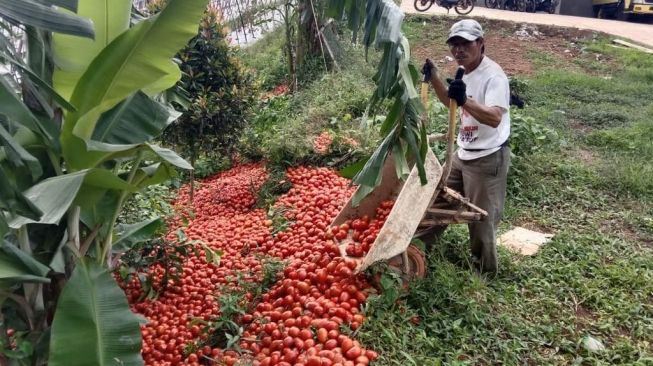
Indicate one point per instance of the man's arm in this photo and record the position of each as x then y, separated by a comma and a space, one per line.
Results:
490, 116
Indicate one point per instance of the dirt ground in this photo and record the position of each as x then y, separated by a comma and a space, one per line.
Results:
640, 33
509, 44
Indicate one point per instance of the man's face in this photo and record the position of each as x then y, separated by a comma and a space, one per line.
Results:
467, 53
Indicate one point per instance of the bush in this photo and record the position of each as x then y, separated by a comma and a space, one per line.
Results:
221, 91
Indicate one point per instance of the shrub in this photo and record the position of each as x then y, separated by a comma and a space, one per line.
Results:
220, 90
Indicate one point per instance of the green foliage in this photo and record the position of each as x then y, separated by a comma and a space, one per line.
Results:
151, 202
285, 126
93, 314
148, 259
266, 59
220, 89
235, 300
276, 185
630, 154
528, 135
209, 164
536, 311
70, 166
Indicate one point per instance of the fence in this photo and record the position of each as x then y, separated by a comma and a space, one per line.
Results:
247, 19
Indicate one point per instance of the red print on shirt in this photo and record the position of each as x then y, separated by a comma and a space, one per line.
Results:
467, 133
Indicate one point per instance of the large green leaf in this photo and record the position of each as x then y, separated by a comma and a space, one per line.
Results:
93, 324
66, 4
17, 155
128, 235
53, 197
136, 60
154, 174
135, 120
45, 17
15, 110
96, 185
370, 175
16, 266
104, 152
111, 18
36, 79
15, 202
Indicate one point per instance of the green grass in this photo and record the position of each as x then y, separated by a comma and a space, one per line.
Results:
582, 170
284, 127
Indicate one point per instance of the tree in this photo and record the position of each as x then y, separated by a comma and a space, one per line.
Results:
220, 90
72, 153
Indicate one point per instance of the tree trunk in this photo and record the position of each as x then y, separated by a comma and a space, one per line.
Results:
289, 43
193, 157
308, 38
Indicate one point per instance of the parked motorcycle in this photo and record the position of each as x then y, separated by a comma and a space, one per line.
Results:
549, 6
462, 7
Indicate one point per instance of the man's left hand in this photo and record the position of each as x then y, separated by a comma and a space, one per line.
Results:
458, 92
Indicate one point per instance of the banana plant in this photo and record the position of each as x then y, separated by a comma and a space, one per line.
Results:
403, 130
75, 143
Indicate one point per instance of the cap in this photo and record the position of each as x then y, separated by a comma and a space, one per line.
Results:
466, 28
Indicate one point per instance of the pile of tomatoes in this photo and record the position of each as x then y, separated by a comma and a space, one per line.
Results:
322, 143
303, 319
361, 231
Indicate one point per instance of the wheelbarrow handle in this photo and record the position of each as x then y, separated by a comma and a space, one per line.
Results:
451, 133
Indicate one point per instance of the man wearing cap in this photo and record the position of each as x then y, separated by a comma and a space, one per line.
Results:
480, 165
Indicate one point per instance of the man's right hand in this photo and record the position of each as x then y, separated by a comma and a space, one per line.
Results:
429, 70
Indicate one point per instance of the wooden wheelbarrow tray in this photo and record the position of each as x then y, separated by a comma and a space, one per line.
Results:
417, 207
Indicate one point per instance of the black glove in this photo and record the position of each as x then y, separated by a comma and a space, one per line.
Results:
428, 70
458, 91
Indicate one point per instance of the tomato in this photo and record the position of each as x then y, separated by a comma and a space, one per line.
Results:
353, 353
322, 335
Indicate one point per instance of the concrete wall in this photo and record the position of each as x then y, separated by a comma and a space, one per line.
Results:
582, 8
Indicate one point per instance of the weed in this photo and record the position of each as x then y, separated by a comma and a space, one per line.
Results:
276, 185
234, 301
150, 258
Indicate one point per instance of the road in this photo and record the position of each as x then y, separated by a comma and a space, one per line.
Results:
641, 33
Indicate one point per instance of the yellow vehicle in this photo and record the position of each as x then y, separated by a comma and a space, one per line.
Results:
622, 9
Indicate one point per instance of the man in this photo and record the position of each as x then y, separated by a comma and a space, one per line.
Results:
480, 165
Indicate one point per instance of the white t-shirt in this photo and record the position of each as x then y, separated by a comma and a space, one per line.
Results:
488, 85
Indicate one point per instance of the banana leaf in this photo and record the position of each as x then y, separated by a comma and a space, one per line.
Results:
111, 18
18, 267
135, 60
93, 322
45, 17
128, 235
137, 119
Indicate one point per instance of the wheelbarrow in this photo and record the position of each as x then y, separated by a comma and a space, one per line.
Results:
417, 208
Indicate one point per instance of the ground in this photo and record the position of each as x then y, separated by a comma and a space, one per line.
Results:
640, 33
509, 44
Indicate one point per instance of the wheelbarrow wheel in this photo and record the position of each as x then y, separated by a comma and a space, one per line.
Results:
414, 268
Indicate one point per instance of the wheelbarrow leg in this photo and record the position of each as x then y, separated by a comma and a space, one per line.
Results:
405, 260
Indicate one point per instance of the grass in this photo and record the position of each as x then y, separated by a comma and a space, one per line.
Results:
582, 171
285, 126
